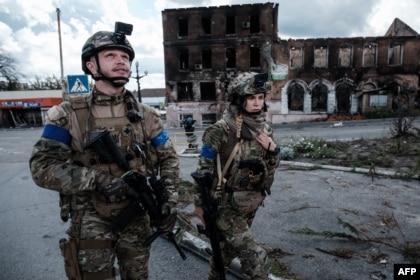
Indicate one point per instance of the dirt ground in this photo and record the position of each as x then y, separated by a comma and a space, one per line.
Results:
398, 154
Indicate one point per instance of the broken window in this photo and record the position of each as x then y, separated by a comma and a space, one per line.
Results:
182, 27
296, 57
369, 55
345, 54
208, 91
183, 59
395, 54
319, 97
295, 95
321, 57
208, 119
254, 24
206, 25
230, 25
230, 58
206, 59
185, 92
343, 96
378, 100
254, 57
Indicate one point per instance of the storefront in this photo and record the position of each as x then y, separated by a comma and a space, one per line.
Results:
26, 108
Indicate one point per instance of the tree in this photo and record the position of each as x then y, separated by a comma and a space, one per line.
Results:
9, 76
42, 83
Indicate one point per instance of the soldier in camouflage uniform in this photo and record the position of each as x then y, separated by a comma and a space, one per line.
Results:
244, 136
92, 192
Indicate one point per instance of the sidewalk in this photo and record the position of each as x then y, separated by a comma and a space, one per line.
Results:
304, 197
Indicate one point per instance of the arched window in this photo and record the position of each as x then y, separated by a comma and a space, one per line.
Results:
295, 94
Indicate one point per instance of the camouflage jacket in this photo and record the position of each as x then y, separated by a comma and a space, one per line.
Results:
252, 168
59, 161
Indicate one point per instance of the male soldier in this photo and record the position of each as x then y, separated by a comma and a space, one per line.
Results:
240, 153
94, 190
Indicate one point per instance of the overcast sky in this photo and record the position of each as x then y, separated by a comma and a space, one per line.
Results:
29, 29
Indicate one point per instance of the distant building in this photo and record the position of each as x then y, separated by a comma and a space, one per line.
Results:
23, 108
312, 78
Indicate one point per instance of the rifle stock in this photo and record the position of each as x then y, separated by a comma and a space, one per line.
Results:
209, 206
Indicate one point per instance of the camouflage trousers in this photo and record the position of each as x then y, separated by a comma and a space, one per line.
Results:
239, 242
126, 246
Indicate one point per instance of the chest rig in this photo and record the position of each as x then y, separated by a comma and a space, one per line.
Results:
127, 135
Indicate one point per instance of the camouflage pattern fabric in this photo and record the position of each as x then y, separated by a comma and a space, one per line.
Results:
244, 192
58, 162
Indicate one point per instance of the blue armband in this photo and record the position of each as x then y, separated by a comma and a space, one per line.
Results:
57, 133
160, 139
207, 152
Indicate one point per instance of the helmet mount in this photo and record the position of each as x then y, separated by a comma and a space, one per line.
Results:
108, 40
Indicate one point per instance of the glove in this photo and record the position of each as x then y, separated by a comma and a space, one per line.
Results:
136, 181
167, 223
117, 191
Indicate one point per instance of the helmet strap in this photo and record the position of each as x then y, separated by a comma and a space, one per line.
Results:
105, 78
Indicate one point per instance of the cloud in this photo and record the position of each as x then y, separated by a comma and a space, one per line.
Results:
29, 29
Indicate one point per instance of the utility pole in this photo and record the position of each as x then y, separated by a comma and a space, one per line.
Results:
59, 42
138, 80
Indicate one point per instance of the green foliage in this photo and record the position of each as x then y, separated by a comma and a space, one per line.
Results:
286, 153
312, 147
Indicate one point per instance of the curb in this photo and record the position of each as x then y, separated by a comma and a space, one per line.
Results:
371, 172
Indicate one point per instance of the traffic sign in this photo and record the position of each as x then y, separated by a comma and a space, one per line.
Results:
78, 84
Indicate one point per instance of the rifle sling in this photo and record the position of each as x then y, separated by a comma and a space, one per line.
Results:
221, 174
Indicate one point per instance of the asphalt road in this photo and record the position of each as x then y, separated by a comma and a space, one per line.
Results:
31, 227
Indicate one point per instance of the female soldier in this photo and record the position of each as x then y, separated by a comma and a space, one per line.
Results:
240, 153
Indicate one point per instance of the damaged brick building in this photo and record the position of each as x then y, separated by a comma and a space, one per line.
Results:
205, 47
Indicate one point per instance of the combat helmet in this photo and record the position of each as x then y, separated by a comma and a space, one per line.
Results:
247, 83
107, 40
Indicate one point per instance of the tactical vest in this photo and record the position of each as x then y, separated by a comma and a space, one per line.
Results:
126, 135
83, 127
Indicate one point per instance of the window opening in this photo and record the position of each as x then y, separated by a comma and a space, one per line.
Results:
208, 91
206, 56
369, 55
345, 56
395, 54
230, 58
254, 57
378, 100
295, 94
254, 24
206, 25
183, 27
185, 92
230, 25
343, 94
183, 59
208, 119
296, 58
321, 57
319, 97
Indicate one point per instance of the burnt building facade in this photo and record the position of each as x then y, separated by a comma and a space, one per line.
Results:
205, 47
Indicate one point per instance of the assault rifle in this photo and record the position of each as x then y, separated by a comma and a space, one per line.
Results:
151, 195
209, 206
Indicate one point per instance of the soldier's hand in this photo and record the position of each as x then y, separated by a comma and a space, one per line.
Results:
167, 223
117, 191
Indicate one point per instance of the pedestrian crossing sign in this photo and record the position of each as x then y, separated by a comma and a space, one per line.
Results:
78, 84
